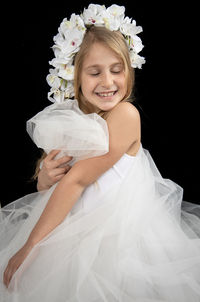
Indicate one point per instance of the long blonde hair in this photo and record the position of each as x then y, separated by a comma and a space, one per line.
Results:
116, 42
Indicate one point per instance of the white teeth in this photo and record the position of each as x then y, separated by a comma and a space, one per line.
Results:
106, 94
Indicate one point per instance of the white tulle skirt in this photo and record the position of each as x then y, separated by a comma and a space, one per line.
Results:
141, 243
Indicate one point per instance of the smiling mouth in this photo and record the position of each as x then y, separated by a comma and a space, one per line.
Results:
106, 94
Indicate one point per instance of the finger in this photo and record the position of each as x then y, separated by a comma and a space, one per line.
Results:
63, 160
59, 177
7, 276
52, 154
60, 171
10, 276
49, 161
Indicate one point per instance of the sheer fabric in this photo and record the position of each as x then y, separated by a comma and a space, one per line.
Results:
130, 237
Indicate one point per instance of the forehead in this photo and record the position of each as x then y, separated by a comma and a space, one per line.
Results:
99, 54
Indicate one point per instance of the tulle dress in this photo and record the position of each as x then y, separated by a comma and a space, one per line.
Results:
129, 237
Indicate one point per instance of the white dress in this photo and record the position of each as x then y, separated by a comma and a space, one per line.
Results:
129, 237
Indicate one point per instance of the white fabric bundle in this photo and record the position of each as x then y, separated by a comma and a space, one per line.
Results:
63, 126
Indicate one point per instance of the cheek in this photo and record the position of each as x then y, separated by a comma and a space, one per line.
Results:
88, 84
122, 82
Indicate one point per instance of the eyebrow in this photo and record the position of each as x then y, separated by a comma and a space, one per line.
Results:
99, 65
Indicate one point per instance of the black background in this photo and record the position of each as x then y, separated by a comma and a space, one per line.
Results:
166, 87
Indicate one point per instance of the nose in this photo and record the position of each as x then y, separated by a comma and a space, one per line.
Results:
106, 79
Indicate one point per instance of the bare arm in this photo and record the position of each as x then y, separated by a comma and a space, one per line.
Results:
124, 127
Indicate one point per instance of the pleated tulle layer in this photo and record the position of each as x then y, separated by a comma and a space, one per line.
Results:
141, 243
65, 127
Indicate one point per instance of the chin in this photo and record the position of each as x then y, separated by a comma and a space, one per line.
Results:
107, 107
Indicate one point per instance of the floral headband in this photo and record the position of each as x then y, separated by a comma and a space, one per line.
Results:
70, 36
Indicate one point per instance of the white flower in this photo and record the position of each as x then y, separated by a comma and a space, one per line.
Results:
128, 27
67, 73
58, 96
60, 63
69, 91
136, 60
93, 14
53, 80
113, 16
135, 43
70, 44
116, 11
98, 15
75, 21
110, 21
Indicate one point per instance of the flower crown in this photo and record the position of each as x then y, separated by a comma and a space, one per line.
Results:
70, 36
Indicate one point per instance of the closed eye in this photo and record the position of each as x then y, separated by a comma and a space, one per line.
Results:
112, 71
95, 74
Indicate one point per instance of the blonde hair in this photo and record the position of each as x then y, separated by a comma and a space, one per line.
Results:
116, 42
37, 165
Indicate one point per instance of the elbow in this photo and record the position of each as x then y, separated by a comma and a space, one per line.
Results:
74, 180
70, 187
80, 175
86, 172
82, 182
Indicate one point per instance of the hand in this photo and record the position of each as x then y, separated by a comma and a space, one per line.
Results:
52, 170
15, 262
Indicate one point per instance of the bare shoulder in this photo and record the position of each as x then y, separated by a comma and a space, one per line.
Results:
124, 131
124, 109
125, 104
124, 113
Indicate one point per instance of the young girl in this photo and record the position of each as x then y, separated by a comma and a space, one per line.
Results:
106, 226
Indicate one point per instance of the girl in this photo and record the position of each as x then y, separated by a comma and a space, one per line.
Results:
111, 228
